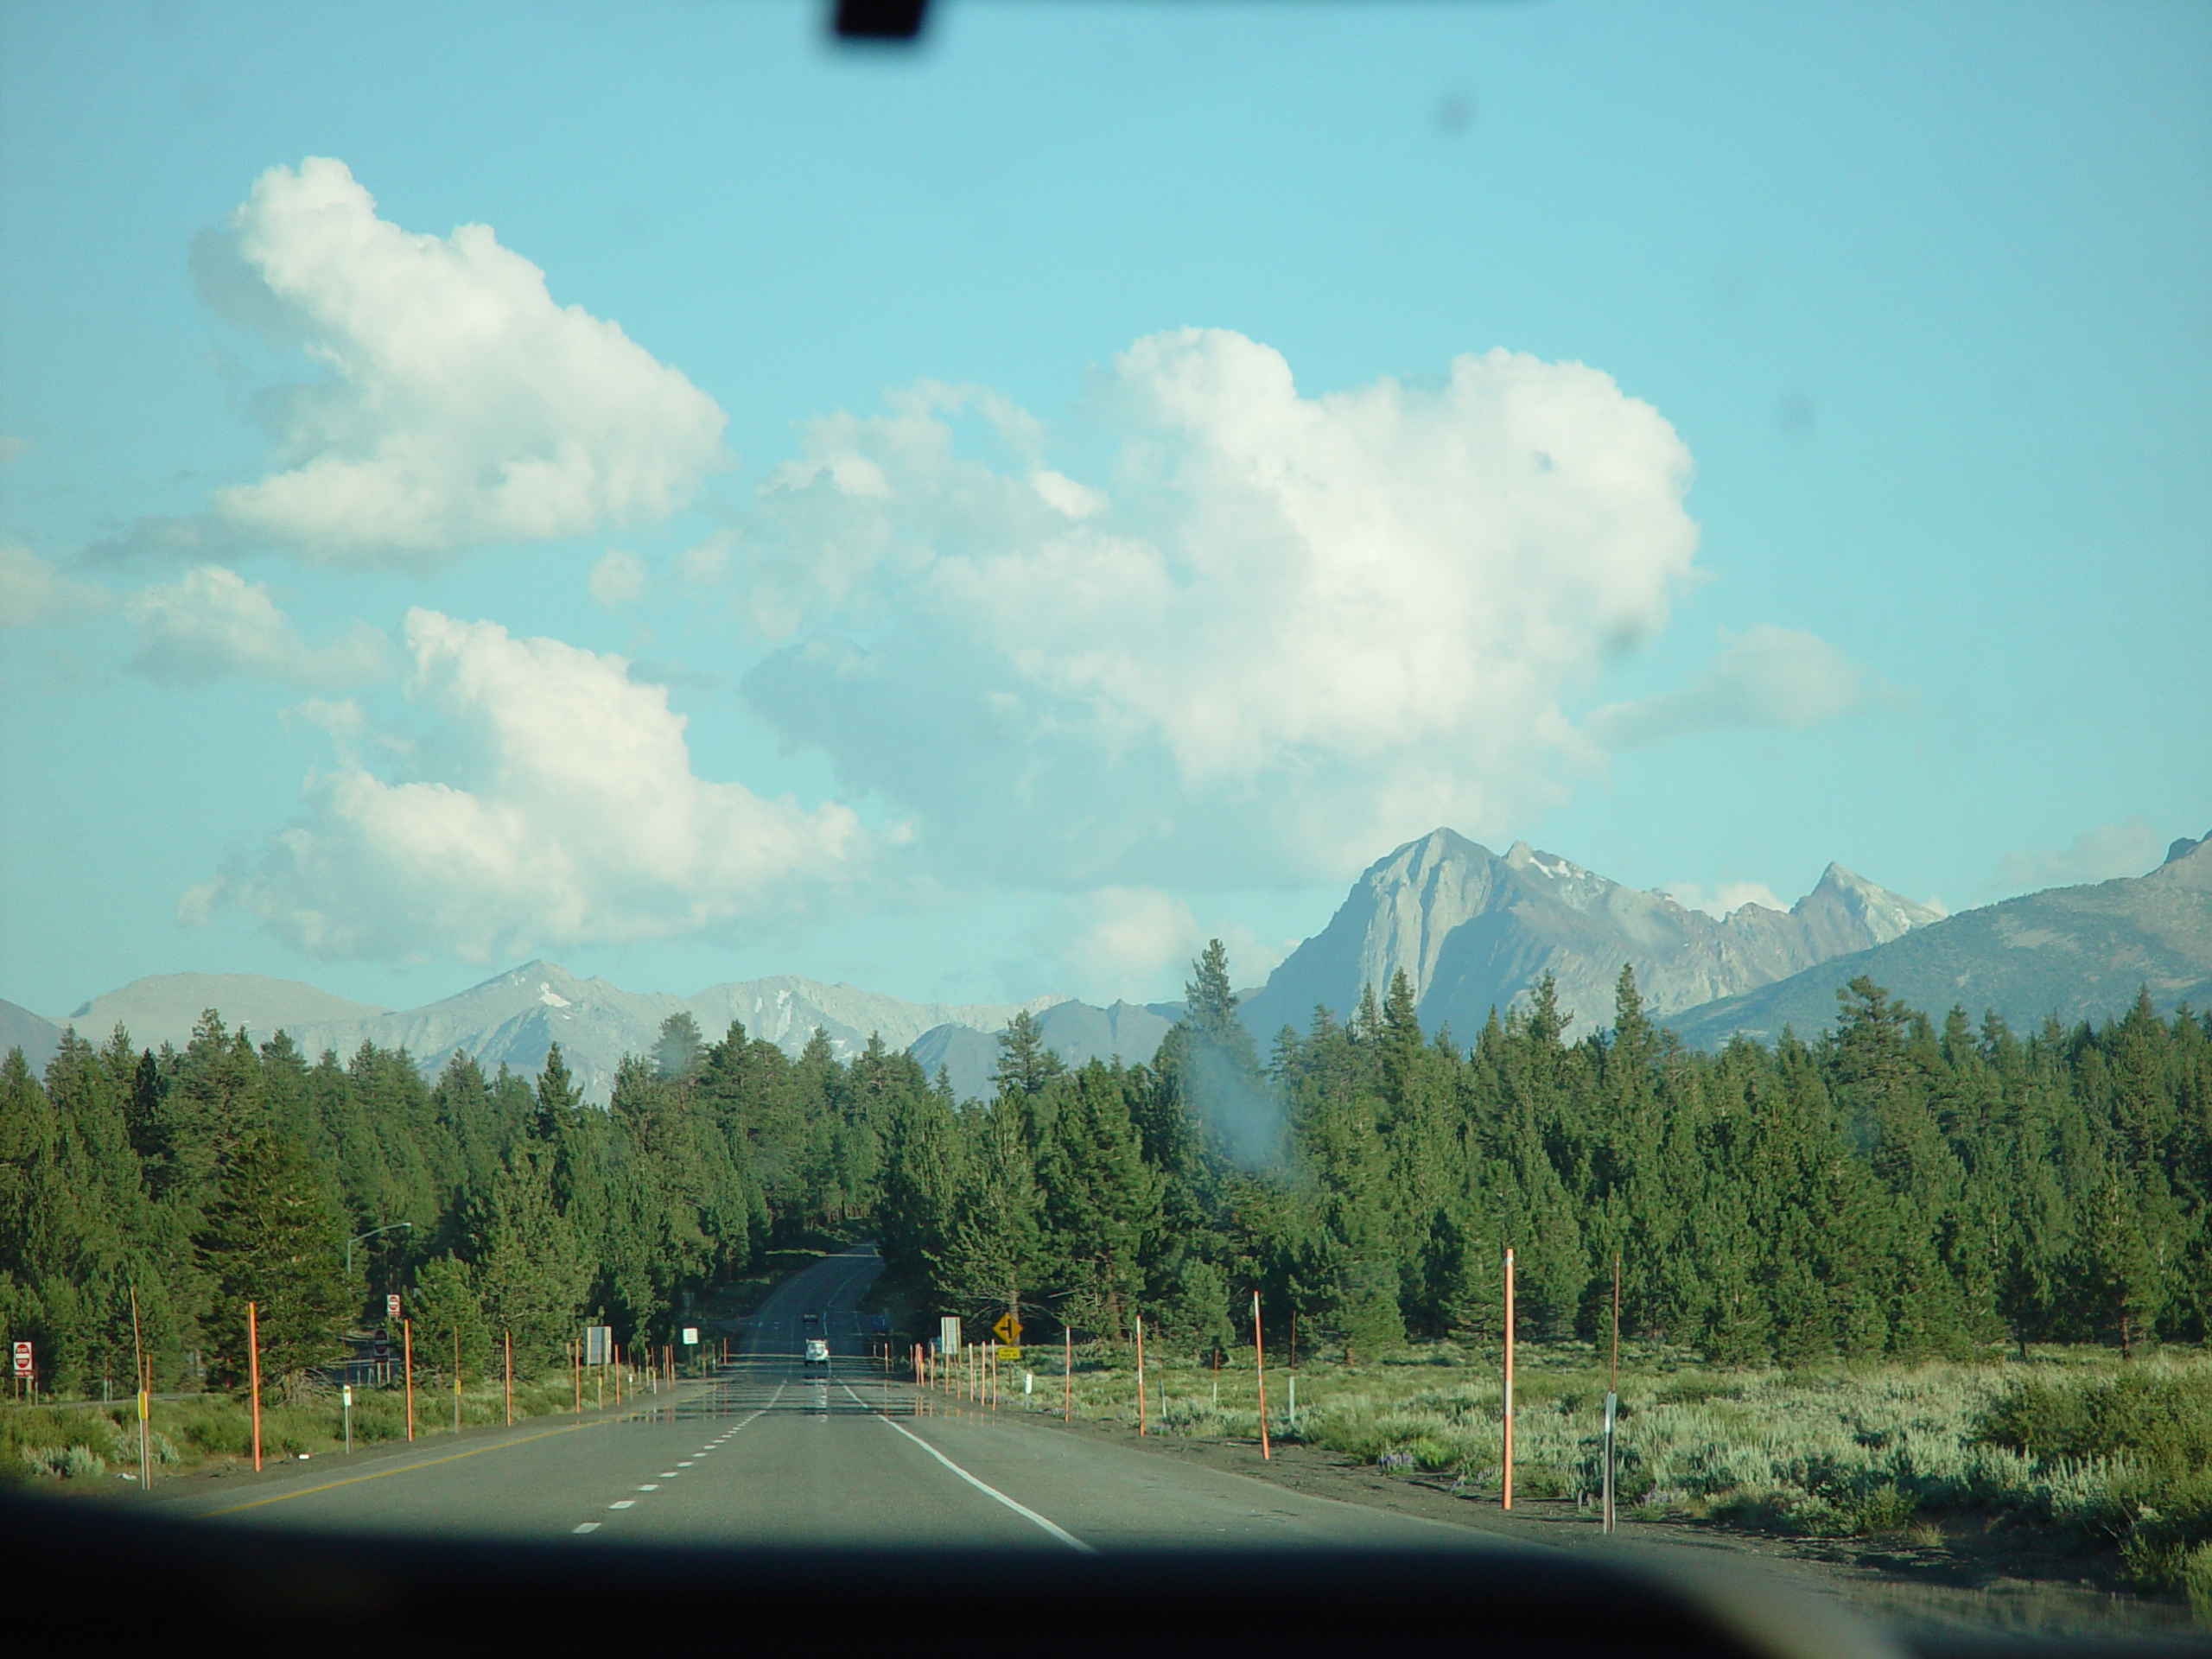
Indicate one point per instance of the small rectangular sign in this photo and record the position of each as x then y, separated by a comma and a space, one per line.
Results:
948, 1333
691, 1335
22, 1359
598, 1345
391, 1305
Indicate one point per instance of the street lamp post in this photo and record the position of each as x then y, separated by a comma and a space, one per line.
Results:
371, 1233
390, 1228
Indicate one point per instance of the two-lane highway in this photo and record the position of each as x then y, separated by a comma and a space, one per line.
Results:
769, 1452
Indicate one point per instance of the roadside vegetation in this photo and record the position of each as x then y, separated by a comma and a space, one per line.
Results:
2071, 1446
83, 1445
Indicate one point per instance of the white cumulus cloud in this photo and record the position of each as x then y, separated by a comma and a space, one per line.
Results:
1137, 944
2099, 854
1724, 898
33, 591
1768, 676
1279, 632
211, 622
555, 804
616, 579
457, 402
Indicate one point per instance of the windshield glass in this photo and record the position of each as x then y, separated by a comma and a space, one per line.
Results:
955, 792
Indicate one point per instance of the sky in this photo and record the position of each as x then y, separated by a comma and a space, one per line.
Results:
649, 487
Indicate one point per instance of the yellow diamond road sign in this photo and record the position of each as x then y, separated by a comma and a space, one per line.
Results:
1008, 1332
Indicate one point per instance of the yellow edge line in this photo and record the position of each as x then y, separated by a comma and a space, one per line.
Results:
427, 1463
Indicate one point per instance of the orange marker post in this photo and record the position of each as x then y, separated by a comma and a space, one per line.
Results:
1140, 1422
508, 1338
407, 1348
456, 1379
576, 1365
139, 1368
1260, 1366
253, 1374
1067, 1377
1506, 1483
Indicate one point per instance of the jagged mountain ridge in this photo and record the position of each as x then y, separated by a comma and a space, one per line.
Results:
2077, 953
1473, 931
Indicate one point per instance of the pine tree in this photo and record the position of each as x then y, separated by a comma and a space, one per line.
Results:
273, 1238
531, 1272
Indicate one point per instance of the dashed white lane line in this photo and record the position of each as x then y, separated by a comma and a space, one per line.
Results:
673, 1474
989, 1491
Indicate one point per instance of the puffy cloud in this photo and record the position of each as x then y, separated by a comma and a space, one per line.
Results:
555, 804
2100, 853
1135, 944
211, 622
458, 403
35, 593
1723, 897
1282, 632
1769, 676
616, 579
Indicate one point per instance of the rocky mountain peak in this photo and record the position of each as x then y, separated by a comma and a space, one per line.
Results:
2189, 864
1472, 931
1884, 915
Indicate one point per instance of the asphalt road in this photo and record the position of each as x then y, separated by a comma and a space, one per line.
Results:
764, 1453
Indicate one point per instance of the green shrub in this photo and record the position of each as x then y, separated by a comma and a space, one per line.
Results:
2158, 1420
2197, 1582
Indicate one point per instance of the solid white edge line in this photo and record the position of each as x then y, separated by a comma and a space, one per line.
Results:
1021, 1509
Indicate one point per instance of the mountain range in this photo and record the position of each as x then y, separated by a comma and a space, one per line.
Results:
2075, 953
1472, 930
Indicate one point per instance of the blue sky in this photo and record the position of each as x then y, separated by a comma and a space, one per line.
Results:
978, 521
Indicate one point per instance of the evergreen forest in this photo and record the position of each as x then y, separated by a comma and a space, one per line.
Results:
1896, 1187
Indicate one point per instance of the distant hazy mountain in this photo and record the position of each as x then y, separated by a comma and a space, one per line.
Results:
1473, 931
1077, 1032
165, 1007
513, 1019
37, 1037
2080, 953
